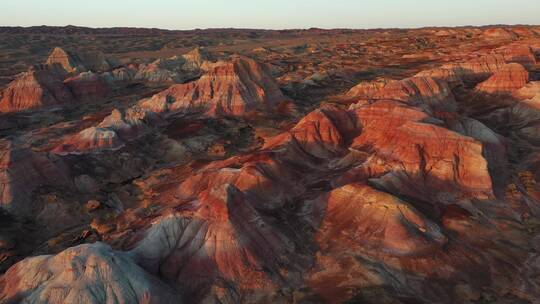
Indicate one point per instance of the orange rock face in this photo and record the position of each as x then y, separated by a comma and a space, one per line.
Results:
420, 91
234, 87
62, 58
323, 133
509, 78
519, 53
358, 216
424, 92
261, 177
41, 87
422, 157
450, 76
63, 80
478, 69
366, 90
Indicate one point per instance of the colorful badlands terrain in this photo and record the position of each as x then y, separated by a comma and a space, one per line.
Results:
246, 166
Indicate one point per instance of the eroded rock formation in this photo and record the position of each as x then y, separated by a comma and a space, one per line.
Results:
111, 134
508, 79
81, 62
40, 87
394, 189
236, 87
84, 274
64, 80
177, 69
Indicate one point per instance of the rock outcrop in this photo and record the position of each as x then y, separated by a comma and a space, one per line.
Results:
422, 159
177, 69
478, 69
93, 139
508, 79
162, 71
41, 87
367, 89
81, 62
450, 76
235, 87
111, 134
323, 133
218, 240
483, 67
424, 92
196, 59
86, 274
358, 216
519, 53
65, 79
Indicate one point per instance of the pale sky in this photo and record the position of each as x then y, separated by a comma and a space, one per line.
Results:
270, 14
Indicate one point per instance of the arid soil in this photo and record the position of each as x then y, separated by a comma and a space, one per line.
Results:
253, 166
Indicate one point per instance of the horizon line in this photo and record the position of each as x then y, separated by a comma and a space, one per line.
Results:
271, 29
